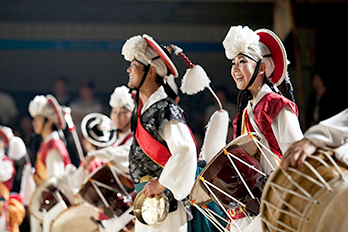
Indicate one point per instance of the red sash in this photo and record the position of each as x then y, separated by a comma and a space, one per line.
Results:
156, 151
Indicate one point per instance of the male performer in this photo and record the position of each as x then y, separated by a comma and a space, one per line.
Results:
163, 151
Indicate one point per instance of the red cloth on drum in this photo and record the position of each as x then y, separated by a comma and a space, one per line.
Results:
265, 112
95, 164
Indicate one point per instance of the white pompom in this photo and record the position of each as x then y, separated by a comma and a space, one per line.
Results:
194, 80
215, 135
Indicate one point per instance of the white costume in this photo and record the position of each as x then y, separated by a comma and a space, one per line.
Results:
178, 174
285, 127
332, 133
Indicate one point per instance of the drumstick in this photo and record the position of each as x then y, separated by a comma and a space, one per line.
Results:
72, 129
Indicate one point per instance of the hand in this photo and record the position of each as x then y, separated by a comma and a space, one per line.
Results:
87, 161
153, 187
297, 153
131, 197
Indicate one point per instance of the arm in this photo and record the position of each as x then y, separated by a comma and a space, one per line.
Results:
117, 154
332, 132
286, 129
178, 175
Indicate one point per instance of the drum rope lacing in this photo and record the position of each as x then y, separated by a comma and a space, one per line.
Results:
321, 182
231, 156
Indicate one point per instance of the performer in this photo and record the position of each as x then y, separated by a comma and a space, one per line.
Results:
12, 210
163, 149
328, 134
259, 63
52, 156
122, 106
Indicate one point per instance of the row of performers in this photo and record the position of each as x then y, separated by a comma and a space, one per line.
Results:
154, 145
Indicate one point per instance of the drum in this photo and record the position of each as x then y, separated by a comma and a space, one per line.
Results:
232, 178
108, 191
76, 218
50, 198
311, 198
226, 175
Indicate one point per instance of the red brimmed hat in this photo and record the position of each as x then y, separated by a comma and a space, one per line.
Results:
278, 53
61, 124
170, 65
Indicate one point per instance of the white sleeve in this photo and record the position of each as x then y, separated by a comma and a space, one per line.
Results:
178, 174
330, 133
286, 129
118, 154
6, 170
54, 164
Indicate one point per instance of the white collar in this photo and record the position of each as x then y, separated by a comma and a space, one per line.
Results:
262, 92
159, 94
52, 136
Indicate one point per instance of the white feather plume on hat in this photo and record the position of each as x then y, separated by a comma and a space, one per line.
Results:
39, 106
121, 98
135, 47
241, 40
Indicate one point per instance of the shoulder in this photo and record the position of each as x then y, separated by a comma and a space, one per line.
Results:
273, 102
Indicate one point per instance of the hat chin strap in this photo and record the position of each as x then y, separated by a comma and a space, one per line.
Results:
248, 95
135, 113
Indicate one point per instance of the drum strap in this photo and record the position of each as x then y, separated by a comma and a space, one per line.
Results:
156, 151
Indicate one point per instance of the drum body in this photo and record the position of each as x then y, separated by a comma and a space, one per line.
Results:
77, 218
222, 174
52, 196
107, 191
311, 198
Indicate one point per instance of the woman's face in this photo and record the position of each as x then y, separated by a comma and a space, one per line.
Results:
120, 117
38, 124
135, 72
242, 70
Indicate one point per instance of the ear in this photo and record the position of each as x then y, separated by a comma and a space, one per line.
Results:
152, 72
262, 68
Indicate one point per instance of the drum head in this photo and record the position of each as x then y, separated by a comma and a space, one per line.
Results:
298, 200
220, 172
108, 190
77, 218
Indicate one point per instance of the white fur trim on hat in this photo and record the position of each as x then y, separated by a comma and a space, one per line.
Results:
39, 106
241, 40
121, 98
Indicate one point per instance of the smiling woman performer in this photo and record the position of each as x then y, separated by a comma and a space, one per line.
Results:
259, 61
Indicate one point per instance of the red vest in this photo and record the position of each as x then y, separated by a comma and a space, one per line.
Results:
40, 165
265, 112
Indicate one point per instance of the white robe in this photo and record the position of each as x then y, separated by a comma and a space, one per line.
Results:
286, 130
332, 133
178, 174
285, 127
116, 153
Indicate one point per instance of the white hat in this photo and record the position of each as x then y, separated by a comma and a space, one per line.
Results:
148, 52
121, 98
97, 128
47, 107
260, 44
16, 146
